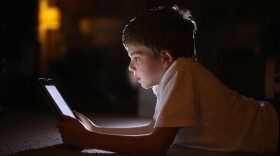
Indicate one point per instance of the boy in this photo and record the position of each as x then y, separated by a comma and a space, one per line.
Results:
194, 109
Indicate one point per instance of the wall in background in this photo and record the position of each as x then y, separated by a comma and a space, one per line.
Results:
89, 63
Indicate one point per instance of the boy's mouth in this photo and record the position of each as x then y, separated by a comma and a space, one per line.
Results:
137, 77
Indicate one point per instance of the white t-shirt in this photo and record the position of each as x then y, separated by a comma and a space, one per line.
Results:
210, 115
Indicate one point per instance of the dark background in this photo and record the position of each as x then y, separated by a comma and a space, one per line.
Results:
234, 39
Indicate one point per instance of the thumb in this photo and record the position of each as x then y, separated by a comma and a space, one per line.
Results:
86, 121
81, 117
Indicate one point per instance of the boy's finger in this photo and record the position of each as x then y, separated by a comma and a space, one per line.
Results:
80, 116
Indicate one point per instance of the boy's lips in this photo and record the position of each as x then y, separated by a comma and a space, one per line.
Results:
137, 78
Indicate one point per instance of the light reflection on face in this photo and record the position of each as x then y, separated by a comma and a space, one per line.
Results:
148, 69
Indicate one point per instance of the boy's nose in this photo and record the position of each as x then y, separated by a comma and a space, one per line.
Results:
130, 67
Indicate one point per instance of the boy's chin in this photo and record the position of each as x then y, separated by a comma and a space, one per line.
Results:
146, 86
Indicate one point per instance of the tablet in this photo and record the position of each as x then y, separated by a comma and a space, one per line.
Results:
57, 102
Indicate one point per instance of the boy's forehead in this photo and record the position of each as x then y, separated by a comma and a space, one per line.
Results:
134, 50
135, 53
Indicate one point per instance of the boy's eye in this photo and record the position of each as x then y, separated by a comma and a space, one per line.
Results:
137, 58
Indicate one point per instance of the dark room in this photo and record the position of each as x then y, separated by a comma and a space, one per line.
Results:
113, 66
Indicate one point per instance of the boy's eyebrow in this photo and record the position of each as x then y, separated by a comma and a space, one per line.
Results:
133, 53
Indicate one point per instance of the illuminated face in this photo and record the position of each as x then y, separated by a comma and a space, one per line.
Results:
148, 69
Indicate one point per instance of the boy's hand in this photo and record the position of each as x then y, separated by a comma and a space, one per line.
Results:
86, 122
73, 132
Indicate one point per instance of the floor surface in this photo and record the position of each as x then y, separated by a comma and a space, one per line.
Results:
33, 133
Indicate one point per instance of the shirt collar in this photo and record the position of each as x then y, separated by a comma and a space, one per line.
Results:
156, 88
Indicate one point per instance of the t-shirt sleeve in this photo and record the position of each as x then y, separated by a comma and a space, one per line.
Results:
179, 101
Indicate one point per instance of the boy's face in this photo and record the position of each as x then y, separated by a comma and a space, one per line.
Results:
147, 68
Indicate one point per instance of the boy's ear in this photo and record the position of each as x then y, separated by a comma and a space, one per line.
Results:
167, 58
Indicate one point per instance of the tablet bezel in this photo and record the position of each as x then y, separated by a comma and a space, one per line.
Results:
54, 106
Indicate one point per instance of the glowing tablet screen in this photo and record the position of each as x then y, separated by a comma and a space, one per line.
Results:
64, 108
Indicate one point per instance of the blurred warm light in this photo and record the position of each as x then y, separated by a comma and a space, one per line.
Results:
49, 16
85, 26
49, 19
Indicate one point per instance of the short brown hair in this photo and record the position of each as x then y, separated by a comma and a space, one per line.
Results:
160, 29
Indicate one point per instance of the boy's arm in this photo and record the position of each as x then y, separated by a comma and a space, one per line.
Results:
143, 129
156, 142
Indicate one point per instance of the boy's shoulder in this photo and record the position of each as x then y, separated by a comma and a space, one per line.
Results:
180, 66
189, 66
183, 63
